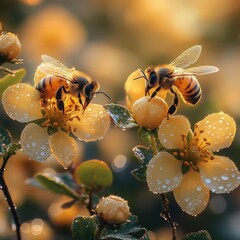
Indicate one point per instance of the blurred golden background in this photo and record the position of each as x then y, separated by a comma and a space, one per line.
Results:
109, 40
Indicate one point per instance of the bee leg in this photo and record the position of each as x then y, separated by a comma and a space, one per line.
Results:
80, 100
155, 92
173, 107
60, 103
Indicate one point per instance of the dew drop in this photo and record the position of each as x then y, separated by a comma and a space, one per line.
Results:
233, 175
167, 181
33, 144
208, 180
224, 177
199, 188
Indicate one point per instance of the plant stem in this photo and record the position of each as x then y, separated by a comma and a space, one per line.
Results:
9, 200
165, 214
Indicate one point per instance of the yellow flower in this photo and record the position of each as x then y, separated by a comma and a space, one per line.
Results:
48, 129
188, 167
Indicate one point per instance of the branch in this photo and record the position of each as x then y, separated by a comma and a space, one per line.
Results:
8, 197
165, 214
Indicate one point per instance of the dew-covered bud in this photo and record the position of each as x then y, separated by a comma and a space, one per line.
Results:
113, 209
149, 114
10, 46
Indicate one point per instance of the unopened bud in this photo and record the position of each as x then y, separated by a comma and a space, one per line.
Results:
113, 209
149, 113
10, 46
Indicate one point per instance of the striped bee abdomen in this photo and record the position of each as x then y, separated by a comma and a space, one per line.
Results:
189, 88
49, 85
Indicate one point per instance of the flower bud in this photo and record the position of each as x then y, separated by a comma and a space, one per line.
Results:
113, 209
10, 46
149, 114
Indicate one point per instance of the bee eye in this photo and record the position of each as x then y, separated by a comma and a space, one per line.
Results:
88, 89
153, 79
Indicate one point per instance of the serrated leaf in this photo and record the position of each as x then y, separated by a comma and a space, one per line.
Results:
201, 235
140, 173
55, 184
130, 230
84, 228
121, 116
143, 154
9, 80
5, 140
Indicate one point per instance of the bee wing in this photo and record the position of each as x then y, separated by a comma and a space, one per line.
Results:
201, 70
52, 66
188, 57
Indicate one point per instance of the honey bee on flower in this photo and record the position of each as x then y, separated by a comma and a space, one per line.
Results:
177, 79
59, 80
48, 131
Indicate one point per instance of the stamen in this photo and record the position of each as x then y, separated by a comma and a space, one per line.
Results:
181, 154
175, 154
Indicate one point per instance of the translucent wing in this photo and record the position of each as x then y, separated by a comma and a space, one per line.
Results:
201, 70
52, 66
188, 57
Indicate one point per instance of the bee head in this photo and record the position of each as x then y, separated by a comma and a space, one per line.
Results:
89, 91
152, 79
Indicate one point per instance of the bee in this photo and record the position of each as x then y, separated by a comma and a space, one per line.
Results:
175, 76
61, 79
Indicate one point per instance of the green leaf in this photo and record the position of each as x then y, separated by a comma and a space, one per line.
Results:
201, 235
185, 168
85, 228
5, 140
9, 80
121, 116
143, 154
145, 134
55, 184
130, 230
140, 173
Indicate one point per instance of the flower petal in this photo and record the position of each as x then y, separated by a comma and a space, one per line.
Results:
63, 147
34, 142
219, 129
192, 196
93, 125
163, 173
220, 175
171, 131
22, 102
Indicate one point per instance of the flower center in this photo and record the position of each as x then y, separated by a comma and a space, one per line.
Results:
55, 118
194, 149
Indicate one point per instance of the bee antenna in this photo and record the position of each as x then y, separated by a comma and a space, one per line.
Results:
103, 94
143, 75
